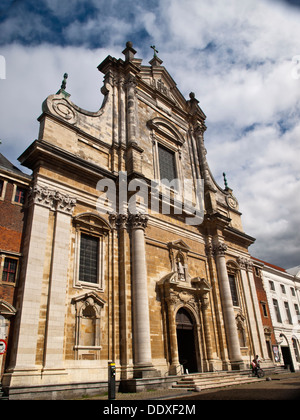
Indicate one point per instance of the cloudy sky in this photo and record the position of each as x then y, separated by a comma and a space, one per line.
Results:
241, 58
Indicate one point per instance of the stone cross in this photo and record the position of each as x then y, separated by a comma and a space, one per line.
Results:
154, 49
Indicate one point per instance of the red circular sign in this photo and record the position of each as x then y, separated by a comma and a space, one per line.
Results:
3, 346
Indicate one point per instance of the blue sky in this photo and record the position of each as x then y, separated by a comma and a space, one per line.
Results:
241, 58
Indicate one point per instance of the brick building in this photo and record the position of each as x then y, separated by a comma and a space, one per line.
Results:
120, 263
13, 189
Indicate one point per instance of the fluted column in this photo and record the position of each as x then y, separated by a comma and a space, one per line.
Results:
141, 321
228, 311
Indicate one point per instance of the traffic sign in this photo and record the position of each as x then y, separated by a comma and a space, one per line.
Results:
3, 346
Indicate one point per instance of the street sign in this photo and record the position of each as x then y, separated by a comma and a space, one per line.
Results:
3, 346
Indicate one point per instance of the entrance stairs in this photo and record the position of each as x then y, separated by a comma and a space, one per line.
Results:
2, 395
209, 380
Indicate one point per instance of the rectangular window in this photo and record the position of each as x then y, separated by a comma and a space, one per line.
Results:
297, 312
293, 291
167, 166
277, 311
271, 284
20, 195
9, 270
88, 263
264, 308
282, 288
1, 187
288, 312
233, 289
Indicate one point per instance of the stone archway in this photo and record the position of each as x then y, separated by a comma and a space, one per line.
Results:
186, 340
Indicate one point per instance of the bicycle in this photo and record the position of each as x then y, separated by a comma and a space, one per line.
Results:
260, 373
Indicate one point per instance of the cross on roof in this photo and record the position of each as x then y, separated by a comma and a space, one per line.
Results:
155, 50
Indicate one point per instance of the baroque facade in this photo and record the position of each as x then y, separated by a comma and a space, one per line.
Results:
147, 290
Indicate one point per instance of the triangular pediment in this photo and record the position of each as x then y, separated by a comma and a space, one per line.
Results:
91, 295
179, 244
163, 87
162, 84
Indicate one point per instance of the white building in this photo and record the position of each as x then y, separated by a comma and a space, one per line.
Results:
283, 293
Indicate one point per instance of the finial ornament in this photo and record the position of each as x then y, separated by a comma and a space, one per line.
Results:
225, 180
64, 82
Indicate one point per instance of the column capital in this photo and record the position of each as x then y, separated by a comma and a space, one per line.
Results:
219, 248
118, 221
138, 221
52, 199
245, 263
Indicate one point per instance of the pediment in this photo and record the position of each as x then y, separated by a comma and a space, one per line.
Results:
162, 84
92, 297
201, 284
92, 221
7, 309
179, 244
166, 129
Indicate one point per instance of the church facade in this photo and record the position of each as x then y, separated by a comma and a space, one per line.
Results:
158, 287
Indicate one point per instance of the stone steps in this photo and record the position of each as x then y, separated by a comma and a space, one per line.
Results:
2, 395
203, 381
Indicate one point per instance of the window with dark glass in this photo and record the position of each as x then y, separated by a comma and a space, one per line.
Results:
167, 166
296, 351
277, 311
282, 288
1, 187
297, 312
20, 195
288, 312
272, 286
233, 290
264, 308
9, 270
88, 263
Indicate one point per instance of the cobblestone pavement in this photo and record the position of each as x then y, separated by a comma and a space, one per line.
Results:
280, 387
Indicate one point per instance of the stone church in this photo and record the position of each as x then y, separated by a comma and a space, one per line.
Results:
147, 290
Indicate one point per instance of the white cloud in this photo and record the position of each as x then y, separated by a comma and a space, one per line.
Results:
236, 56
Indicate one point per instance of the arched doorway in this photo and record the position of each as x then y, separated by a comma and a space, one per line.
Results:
186, 341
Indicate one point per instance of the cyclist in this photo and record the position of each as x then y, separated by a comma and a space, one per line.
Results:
254, 367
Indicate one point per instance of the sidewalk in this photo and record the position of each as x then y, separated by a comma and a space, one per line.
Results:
280, 386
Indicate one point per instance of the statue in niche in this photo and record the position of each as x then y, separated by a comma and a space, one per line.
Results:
180, 267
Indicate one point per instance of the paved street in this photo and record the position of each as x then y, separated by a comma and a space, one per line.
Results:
281, 387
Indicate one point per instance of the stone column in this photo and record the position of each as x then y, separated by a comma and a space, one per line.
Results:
141, 321
204, 302
54, 347
228, 311
173, 337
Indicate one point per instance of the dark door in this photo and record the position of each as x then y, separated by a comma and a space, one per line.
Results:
186, 341
287, 358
